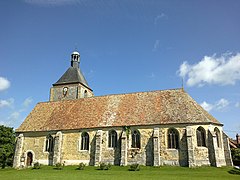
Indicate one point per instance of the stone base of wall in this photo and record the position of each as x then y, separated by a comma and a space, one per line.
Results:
75, 162
202, 163
170, 163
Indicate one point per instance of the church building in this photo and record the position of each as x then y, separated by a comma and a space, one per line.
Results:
165, 127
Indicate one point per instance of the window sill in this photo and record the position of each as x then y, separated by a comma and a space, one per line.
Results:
134, 148
172, 149
201, 147
83, 150
111, 148
46, 152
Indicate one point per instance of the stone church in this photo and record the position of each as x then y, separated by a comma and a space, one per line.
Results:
165, 127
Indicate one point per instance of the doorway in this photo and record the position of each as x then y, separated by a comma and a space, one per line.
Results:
29, 159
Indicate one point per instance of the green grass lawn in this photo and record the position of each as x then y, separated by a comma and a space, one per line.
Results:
116, 172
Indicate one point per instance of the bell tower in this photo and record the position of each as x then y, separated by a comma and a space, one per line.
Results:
75, 59
72, 84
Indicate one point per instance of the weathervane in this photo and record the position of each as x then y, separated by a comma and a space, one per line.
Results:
182, 84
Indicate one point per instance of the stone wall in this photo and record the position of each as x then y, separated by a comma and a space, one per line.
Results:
154, 149
74, 91
227, 152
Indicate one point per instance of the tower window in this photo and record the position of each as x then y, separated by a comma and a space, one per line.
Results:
85, 141
201, 137
136, 139
173, 139
65, 90
85, 93
112, 139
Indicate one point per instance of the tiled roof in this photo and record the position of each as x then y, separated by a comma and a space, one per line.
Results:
144, 108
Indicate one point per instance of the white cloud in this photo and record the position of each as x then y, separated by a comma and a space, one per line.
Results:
158, 17
219, 105
223, 70
4, 123
52, 2
14, 116
4, 84
237, 104
156, 45
6, 103
208, 107
27, 102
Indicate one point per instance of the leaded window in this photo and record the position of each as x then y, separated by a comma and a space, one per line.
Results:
112, 139
136, 139
217, 133
173, 139
49, 144
201, 137
85, 141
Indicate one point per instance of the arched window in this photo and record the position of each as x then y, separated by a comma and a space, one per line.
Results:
136, 139
85, 141
201, 137
217, 133
173, 139
112, 139
49, 145
85, 93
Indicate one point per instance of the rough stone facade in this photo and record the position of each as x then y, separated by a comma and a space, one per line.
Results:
153, 151
75, 91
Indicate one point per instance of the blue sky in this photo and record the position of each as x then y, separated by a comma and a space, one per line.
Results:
125, 46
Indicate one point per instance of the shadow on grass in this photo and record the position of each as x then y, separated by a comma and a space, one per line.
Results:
234, 171
56, 168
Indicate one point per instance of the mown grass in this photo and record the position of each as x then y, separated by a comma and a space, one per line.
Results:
116, 172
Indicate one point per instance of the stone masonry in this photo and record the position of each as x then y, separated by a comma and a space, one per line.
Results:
153, 150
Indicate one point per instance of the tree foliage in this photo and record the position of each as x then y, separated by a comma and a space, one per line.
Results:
7, 141
236, 154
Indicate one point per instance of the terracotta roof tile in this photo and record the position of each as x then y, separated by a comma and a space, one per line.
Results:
144, 108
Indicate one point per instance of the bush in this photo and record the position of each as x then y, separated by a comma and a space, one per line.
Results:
236, 156
59, 166
81, 166
104, 166
36, 165
134, 167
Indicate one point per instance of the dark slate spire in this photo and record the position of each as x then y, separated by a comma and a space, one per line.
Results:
73, 74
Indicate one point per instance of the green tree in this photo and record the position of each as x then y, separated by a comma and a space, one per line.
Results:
236, 156
7, 141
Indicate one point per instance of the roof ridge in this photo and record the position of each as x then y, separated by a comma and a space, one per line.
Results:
109, 95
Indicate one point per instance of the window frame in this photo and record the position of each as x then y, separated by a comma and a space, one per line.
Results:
49, 144
218, 137
173, 138
201, 137
136, 140
112, 139
84, 146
